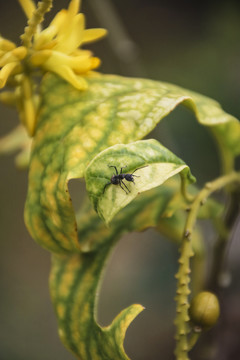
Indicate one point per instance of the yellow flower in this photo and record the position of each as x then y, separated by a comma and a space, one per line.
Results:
10, 60
57, 48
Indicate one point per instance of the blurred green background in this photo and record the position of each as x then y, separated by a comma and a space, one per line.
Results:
194, 44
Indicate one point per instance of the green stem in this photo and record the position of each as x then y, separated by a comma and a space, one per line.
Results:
183, 275
37, 17
193, 338
188, 197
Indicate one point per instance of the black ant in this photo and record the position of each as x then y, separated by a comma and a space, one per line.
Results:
117, 179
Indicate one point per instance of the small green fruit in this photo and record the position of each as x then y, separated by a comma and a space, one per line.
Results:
204, 310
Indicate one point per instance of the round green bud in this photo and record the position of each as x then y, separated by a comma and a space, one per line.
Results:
204, 310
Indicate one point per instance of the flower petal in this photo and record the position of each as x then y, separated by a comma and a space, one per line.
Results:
16, 54
79, 64
40, 57
6, 45
91, 35
70, 38
84, 67
44, 37
67, 74
20, 52
74, 7
6, 71
28, 7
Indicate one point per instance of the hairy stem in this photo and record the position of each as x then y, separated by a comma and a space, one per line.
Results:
183, 275
37, 17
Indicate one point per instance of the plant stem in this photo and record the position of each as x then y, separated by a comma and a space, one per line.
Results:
183, 275
37, 17
193, 338
188, 197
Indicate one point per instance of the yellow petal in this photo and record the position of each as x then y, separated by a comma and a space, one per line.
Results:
90, 35
79, 64
40, 57
7, 58
85, 66
49, 45
57, 25
44, 37
77, 81
6, 71
70, 38
28, 7
59, 19
6, 45
68, 74
74, 7
14, 55
20, 52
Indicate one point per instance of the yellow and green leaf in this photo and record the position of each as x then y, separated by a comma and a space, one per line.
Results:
153, 162
73, 284
75, 278
74, 126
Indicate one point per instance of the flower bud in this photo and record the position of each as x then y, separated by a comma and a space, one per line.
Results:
204, 310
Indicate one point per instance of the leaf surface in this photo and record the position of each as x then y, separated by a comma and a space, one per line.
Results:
75, 278
73, 127
151, 164
73, 283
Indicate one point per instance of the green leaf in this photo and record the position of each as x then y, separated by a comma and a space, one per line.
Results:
225, 127
145, 211
160, 164
73, 127
73, 283
74, 279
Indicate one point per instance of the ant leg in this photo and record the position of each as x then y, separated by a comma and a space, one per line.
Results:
113, 166
109, 183
122, 188
125, 187
122, 168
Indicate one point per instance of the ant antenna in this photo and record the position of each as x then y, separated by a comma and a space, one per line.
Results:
139, 169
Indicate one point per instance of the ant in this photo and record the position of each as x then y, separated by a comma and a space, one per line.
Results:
117, 179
